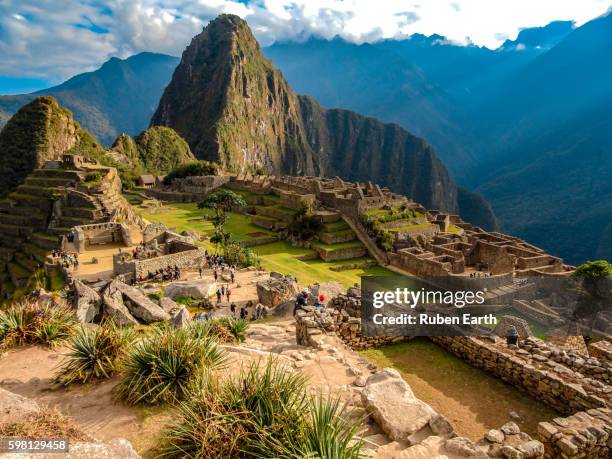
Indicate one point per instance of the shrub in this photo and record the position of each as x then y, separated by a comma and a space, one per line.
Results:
194, 168
93, 178
304, 226
262, 413
235, 254
29, 322
94, 354
166, 366
222, 329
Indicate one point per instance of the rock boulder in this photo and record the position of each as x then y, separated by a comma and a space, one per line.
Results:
87, 302
139, 305
113, 307
391, 402
197, 289
276, 290
14, 407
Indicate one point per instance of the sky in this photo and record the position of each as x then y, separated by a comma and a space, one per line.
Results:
44, 42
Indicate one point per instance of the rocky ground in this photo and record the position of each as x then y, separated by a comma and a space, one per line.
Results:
394, 422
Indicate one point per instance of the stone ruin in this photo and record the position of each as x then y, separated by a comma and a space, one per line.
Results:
276, 290
578, 385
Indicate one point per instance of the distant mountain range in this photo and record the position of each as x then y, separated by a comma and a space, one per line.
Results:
119, 97
527, 124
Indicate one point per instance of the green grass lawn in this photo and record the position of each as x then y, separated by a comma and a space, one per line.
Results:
278, 256
187, 217
282, 257
471, 399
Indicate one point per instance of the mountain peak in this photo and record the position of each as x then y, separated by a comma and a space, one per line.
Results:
233, 107
540, 37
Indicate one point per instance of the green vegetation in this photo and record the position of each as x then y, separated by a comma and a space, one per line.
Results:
278, 256
193, 168
167, 366
28, 322
221, 202
263, 412
222, 329
594, 269
304, 226
94, 354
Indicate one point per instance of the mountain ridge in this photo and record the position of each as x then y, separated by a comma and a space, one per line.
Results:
232, 106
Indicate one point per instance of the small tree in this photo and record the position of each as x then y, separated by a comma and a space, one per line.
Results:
221, 202
305, 225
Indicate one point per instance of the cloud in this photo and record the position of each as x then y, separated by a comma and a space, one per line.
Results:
55, 40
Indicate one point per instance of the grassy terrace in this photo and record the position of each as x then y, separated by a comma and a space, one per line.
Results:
278, 256
471, 399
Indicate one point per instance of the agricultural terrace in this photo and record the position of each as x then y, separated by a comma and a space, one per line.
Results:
281, 256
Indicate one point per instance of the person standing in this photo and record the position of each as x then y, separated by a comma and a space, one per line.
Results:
228, 292
218, 296
233, 310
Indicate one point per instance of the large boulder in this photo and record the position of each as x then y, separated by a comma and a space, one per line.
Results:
197, 289
168, 305
276, 290
87, 302
113, 307
393, 405
15, 408
141, 306
181, 319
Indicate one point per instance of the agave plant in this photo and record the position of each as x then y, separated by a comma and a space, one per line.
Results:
29, 322
165, 367
264, 412
94, 354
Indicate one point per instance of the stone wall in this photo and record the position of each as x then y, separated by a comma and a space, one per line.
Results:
601, 350
187, 259
99, 234
340, 318
582, 435
558, 386
342, 254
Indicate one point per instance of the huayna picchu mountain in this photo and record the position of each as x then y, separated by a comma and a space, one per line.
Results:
232, 106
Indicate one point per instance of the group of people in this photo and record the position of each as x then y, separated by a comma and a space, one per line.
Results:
302, 300
213, 261
141, 252
167, 274
223, 291
257, 313
479, 274
66, 259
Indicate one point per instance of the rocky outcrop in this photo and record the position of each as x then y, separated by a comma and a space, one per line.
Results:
274, 291
14, 407
232, 106
391, 402
114, 309
17, 409
181, 319
197, 289
139, 305
158, 150
39, 131
87, 302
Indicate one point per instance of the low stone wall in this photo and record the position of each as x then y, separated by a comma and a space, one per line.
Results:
544, 379
187, 259
582, 435
340, 318
585, 365
99, 234
601, 350
342, 254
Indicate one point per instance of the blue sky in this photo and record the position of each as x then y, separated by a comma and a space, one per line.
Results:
43, 42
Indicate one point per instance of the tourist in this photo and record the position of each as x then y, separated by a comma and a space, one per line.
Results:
233, 310
228, 293
300, 301
215, 275
222, 290
200, 271
243, 313
319, 302
218, 296
512, 336
258, 311
232, 276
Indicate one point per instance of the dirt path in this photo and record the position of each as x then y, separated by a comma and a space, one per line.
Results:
29, 371
472, 400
